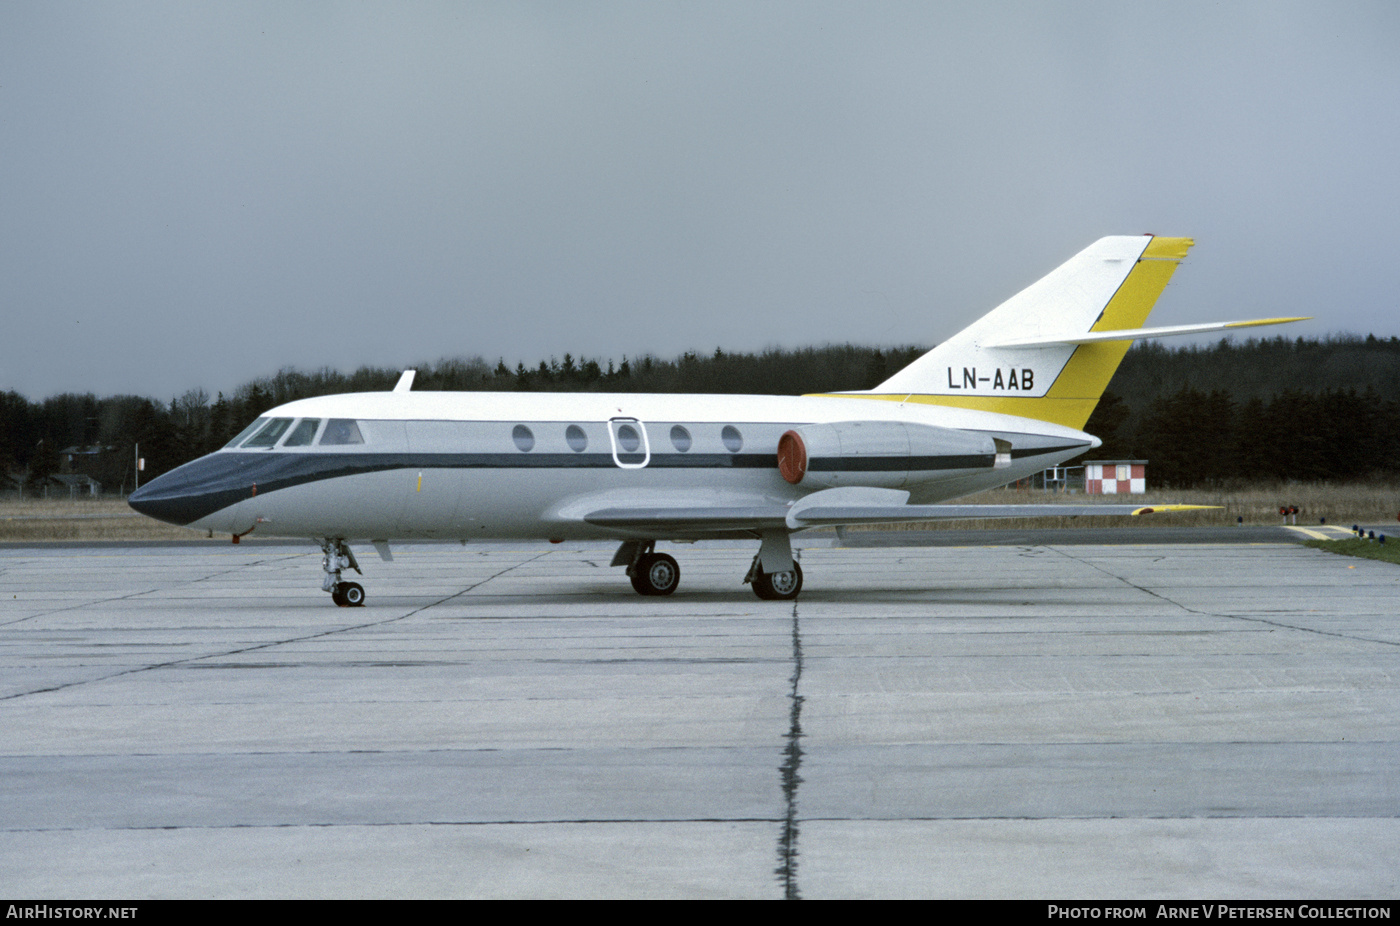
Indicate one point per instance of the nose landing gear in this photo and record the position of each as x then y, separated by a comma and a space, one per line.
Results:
338, 556
348, 595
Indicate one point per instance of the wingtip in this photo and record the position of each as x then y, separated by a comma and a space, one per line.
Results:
1153, 509
1256, 322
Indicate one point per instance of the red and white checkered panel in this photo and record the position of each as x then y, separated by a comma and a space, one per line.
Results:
1101, 479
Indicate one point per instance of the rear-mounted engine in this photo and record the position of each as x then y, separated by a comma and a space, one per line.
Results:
885, 454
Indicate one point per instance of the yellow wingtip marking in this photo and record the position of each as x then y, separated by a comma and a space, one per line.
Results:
1153, 509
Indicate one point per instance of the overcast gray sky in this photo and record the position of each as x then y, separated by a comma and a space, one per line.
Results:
195, 194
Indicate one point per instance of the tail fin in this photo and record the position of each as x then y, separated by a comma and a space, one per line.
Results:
1049, 351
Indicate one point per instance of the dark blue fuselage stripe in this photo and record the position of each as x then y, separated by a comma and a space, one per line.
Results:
900, 464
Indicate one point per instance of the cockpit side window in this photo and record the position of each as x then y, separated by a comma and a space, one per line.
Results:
303, 433
246, 433
268, 436
341, 431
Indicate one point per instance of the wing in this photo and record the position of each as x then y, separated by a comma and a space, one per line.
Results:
832, 507
829, 515
689, 520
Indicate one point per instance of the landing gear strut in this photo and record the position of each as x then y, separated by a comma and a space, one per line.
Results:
338, 556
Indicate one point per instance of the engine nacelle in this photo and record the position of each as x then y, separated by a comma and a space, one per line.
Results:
883, 454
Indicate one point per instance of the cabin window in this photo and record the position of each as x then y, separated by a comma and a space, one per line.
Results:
680, 438
303, 433
628, 439
245, 433
524, 438
269, 434
340, 431
733, 440
577, 440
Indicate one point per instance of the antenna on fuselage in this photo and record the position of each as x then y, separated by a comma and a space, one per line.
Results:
405, 382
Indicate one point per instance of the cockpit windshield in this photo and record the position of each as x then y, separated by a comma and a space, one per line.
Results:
301, 434
268, 436
267, 433
246, 433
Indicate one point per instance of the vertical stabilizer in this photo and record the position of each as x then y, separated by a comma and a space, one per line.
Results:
1109, 286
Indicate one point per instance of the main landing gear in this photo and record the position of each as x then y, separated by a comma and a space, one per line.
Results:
651, 573
776, 586
774, 574
338, 556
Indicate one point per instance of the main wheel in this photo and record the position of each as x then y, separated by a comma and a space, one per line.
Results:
352, 595
656, 574
778, 586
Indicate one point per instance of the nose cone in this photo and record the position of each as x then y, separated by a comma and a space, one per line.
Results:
190, 492
157, 500
168, 498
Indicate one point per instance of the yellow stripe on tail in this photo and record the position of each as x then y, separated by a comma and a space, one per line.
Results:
1049, 352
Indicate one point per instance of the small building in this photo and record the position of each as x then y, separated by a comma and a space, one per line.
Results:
77, 484
1115, 477
80, 458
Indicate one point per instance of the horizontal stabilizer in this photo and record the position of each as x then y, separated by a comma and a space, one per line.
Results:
1132, 334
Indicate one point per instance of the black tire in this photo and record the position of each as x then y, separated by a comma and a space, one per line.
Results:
352, 594
779, 586
656, 574
337, 597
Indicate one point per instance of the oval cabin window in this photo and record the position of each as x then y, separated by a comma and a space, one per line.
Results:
524, 438
628, 438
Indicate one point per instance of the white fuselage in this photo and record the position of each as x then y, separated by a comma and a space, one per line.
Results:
462, 466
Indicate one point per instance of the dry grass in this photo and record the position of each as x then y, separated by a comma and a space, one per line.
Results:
1365, 503
34, 519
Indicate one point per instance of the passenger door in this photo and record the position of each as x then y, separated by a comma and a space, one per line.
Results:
630, 447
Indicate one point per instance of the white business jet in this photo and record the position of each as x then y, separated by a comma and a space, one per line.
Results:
1001, 400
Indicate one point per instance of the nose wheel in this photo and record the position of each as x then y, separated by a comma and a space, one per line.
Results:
348, 595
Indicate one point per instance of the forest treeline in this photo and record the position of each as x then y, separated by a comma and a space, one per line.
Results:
1304, 409
1259, 410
